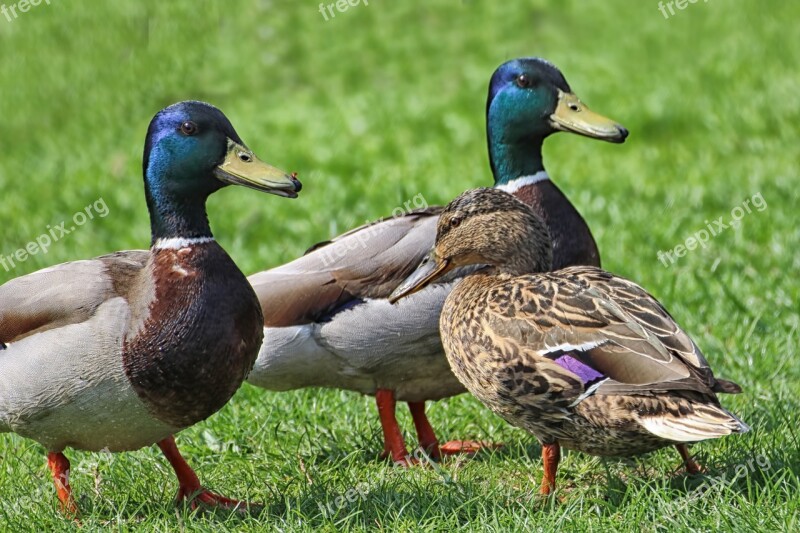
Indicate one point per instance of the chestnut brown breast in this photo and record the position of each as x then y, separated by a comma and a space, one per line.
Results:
200, 338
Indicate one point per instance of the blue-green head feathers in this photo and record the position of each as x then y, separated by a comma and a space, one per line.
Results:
523, 93
185, 143
528, 100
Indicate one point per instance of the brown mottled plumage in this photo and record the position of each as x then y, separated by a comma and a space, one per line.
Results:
579, 357
327, 320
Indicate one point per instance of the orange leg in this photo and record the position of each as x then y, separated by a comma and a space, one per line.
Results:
551, 454
393, 444
59, 466
425, 434
428, 440
189, 484
692, 467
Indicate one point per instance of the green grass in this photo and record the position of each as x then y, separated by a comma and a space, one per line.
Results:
382, 103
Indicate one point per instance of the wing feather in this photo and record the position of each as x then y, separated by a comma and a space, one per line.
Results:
367, 262
65, 294
609, 324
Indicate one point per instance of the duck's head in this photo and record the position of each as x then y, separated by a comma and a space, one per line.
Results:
190, 152
192, 149
483, 227
529, 99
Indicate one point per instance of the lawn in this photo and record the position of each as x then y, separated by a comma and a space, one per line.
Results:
372, 107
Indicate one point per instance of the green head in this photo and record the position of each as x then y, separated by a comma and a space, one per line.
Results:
529, 99
191, 151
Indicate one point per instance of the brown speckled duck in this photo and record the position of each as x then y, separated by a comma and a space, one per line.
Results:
327, 319
579, 357
122, 351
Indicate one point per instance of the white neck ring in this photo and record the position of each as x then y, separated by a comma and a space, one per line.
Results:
523, 181
176, 243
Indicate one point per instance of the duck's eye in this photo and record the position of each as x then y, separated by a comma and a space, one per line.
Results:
188, 128
523, 81
455, 222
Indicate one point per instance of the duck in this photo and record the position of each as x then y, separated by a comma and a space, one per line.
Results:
579, 357
124, 350
327, 319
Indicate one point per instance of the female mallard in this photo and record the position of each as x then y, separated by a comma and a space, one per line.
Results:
123, 351
579, 357
327, 319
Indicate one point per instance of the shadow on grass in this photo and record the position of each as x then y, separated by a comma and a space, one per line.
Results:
384, 495
368, 492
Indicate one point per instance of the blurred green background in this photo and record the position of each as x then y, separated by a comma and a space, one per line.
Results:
381, 103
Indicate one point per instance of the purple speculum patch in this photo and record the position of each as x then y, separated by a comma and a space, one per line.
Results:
586, 373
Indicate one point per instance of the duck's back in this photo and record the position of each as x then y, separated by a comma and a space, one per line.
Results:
329, 323
585, 358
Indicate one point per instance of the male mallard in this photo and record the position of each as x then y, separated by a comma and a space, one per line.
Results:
579, 357
122, 351
326, 315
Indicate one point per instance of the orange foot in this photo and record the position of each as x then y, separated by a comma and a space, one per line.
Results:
454, 447
551, 455
200, 496
429, 442
189, 484
394, 446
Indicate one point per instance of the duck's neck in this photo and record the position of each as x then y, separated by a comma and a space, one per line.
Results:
522, 183
518, 170
515, 163
174, 214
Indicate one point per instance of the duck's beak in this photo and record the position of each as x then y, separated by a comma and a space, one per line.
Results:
572, 115
242, 167
430, 269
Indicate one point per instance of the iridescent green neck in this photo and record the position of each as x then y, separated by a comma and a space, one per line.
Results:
511, 156
171, 217
177, 205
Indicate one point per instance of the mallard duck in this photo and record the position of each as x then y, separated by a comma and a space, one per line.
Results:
327, 319
125, 350
579, 357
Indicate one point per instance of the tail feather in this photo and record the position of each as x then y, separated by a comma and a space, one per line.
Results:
723, 385
705, 422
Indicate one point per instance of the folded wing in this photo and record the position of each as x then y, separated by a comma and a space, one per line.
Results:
367, 262
65, 294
